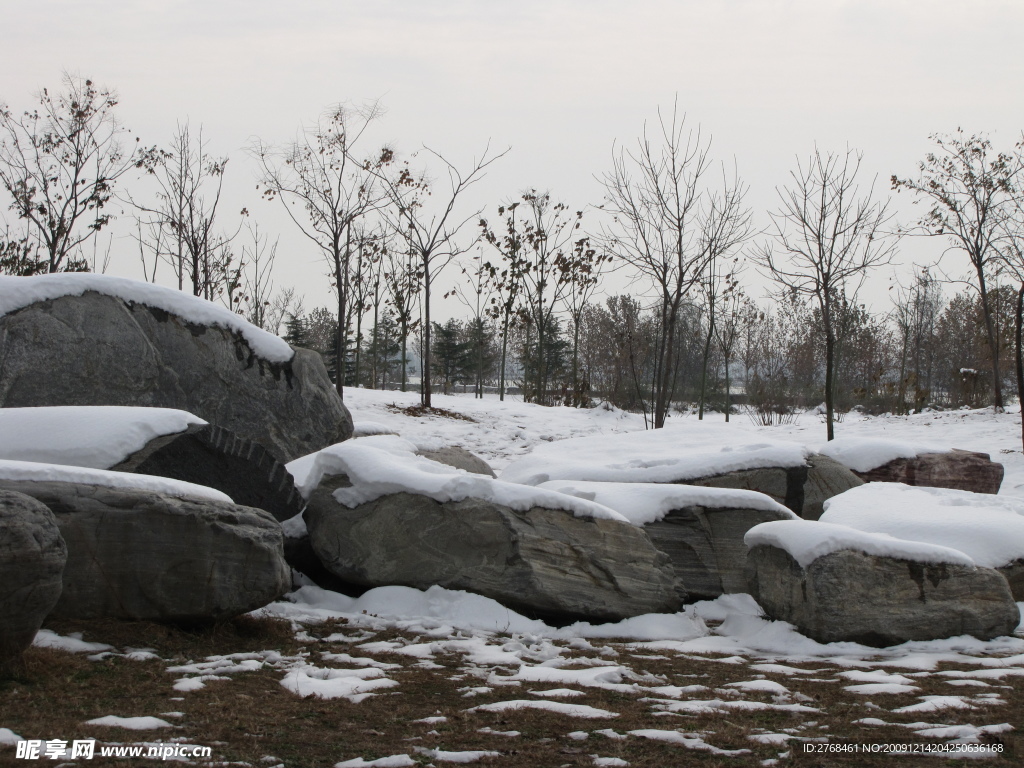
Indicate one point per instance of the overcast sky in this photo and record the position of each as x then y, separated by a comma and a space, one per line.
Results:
559, 81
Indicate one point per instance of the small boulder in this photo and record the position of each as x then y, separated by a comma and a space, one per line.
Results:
836, 584
458, 457
142, 555
32, 557
958, 469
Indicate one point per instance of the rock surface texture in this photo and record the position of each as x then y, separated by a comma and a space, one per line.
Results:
146, 556
458, 457
543, 563
826, 478
784, 485
96, 349
215, 457
963, 470
706, 547
851, 596
32, 557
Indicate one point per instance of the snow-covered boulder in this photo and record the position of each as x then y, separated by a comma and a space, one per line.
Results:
700, 529
881, 460
707, 455
32, 556
836, 583
151, 441
988, 529
138, 553
84, 339
379, 515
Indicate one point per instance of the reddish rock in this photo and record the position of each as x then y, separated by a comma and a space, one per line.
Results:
962, 470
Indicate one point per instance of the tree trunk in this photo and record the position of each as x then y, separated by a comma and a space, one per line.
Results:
425, 384
1018, 331
993, 346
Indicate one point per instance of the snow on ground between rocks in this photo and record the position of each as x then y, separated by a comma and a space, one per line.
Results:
656, 456
59, 473
130, 723
862, 454
96, 436
987, 528
807, 540
384, 464
643, 503
19, 292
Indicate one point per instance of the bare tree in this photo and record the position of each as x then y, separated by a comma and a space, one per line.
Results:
181, 228
59, 164
968, 187
402, 279
258, 259
668, 225
325, 189
431, 229
827, 238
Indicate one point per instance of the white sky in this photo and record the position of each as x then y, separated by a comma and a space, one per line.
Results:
559, 81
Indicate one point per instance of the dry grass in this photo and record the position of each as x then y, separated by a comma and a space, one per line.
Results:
252, 716
419, 411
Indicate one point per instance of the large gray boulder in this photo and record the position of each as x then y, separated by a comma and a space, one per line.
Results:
826, 478
215, 457
849, 595
962, 470
98, 349
705, 545
32, 557
141, 555
542, 562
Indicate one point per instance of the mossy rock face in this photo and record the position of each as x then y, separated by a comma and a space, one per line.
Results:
879, 601
32, 558
97, 349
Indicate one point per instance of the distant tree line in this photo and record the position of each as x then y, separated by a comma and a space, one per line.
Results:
530, 271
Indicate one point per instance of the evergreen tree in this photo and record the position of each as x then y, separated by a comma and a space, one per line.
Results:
452, 356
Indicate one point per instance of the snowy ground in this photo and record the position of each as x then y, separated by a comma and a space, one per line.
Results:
444, 677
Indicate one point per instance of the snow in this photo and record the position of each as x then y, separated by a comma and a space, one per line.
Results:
7, 736
384, 464
46, 638
569, 710
394, 761
643, 503
44, 473
690, 741
130, 723
807, 540
609, 761
987, 528
19, 292
465, 756
325, 683
862, 454
657, 456
96, 436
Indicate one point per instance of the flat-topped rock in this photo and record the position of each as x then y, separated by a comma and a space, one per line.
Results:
141, 555
837, 584
884, 460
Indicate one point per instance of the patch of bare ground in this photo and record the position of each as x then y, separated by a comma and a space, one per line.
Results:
420, 411
686, 705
